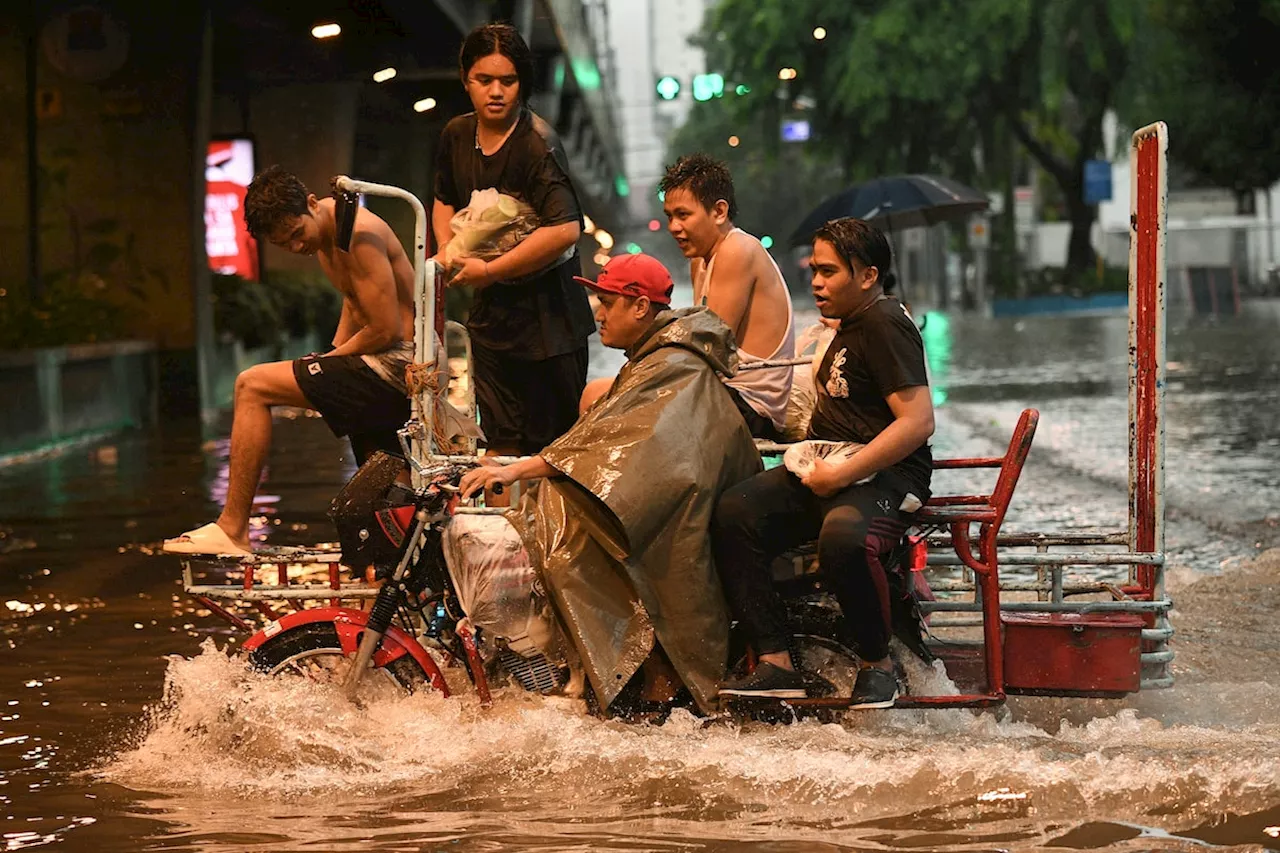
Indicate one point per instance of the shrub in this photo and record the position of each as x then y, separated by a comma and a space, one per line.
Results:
68, 311
262, 313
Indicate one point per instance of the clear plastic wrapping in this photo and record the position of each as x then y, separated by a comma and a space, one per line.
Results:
497, 585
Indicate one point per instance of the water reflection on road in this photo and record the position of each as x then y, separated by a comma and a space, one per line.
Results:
90, 756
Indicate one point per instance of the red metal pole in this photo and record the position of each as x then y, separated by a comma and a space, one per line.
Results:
1147, 348
224, 613
992, 638
282, 578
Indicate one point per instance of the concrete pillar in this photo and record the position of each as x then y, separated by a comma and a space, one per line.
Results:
201, 280
16, 87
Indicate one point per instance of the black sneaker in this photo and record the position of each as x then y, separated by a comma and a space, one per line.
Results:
767, 682
815, 686
874, 688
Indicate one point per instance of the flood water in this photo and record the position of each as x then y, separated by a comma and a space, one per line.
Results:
125, 724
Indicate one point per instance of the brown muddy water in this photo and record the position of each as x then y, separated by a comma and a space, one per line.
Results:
127, 723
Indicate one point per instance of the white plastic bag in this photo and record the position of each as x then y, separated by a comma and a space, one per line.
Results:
491, 225
498, 587
799, 461
799, 457
803, 398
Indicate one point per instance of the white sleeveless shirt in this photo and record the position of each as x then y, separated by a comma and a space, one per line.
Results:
768, 389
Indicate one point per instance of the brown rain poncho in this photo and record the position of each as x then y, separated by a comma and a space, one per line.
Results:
621, 540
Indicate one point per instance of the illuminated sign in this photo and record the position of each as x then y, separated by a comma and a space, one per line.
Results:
795, 131
228, 171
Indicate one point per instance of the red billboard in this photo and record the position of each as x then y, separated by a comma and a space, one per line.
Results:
228, 171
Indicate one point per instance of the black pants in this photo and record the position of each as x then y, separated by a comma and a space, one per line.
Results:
525, 405
758, 519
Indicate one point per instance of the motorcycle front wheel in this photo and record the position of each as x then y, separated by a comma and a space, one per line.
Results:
314, 652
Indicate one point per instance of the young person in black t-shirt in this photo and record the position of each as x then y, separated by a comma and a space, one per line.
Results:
872, 389
530, 320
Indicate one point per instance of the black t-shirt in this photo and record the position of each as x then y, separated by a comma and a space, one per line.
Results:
546, 315
874, 354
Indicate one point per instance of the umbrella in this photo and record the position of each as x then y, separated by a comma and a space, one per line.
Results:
897, 202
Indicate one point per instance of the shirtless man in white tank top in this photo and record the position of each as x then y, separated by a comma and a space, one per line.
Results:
735, 277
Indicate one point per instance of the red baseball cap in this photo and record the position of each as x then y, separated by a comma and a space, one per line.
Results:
634, 275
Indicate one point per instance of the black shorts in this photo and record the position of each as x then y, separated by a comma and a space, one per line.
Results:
354, 401
760, 426
526, 405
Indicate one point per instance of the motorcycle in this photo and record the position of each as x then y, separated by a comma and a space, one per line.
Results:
457, 592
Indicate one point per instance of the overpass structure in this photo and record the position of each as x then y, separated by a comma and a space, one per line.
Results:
267, 44
123, 115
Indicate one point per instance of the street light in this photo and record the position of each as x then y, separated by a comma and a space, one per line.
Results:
787, 73
819, 33
384, 75
733, 141
604, 238
588, 224
424, 105
325, 31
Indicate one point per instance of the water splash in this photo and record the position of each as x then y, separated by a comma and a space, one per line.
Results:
222, 729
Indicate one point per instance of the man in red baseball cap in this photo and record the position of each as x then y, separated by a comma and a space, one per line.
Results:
630, 568
632, 290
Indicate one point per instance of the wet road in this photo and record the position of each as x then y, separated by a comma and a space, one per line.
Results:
123, 727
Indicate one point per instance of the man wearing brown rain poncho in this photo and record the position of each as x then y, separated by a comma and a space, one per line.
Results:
618, 527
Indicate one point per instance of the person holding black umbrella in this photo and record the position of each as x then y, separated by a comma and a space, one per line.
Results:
872, 392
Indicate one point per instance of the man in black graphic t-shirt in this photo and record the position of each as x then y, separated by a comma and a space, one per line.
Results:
871, 389
875, 353
530, 320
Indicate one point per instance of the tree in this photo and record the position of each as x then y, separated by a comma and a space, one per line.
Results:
775, 186
889, 94
1211, 73
1063, 79
916, 85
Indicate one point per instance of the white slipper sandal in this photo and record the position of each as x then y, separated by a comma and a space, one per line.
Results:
210, 539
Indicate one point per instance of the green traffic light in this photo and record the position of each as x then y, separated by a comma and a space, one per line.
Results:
668, 88
742, 89
766, 241
707, 86
634, 248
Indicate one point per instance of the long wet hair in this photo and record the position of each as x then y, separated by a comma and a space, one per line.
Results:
503, 39
857, 239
